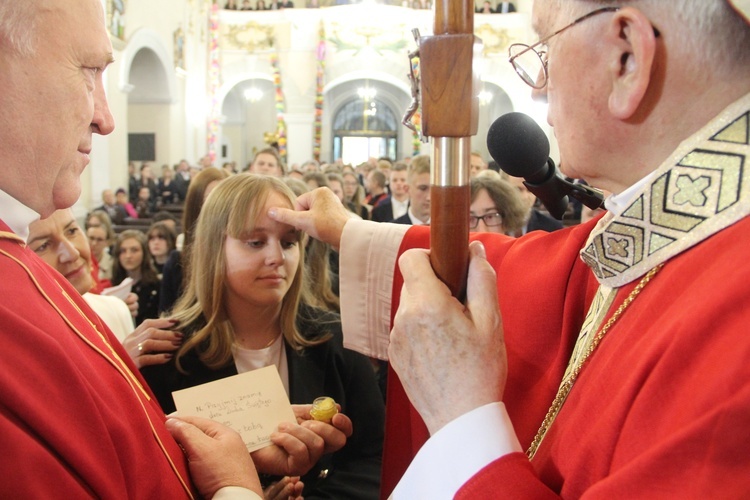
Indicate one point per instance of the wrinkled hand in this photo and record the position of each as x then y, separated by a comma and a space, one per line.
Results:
285, 489
298, 447
151, 343
451, 359
319, 213
132, 302
216, 454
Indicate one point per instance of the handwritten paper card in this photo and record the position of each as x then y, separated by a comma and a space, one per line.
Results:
252, 403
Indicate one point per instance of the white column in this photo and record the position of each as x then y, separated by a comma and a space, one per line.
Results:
299, 137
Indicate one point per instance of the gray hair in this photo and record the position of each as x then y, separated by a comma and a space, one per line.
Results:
710, 32
18, 25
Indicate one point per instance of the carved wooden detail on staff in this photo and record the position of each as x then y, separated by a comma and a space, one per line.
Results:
448, 91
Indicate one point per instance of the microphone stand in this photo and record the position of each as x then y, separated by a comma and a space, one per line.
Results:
554, 192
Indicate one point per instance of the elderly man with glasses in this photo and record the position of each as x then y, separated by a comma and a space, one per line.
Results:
616, 365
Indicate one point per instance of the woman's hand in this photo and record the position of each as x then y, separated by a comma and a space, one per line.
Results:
132, 302
298, 447
152, 343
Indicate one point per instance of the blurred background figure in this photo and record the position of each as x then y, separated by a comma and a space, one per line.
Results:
534, 219
116, 213
121, 198
166, 189
477, 164
419, 193
100, 239
161, 242
132, 261
496, 206
268, 162
397, 203
354, 195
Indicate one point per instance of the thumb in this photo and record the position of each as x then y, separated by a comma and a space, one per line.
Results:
481, 290
185, 434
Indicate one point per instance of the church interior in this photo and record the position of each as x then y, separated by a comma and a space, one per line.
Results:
322, 81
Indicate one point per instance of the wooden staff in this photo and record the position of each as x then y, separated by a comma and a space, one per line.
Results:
450, 108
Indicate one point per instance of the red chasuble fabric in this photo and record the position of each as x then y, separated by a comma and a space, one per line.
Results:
663, 404
76, 418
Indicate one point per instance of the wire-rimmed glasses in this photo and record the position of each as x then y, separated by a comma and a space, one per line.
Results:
531, 64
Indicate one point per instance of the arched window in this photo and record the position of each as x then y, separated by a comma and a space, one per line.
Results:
365, 127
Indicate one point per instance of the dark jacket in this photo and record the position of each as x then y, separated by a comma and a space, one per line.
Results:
326, 369
171, 282
148, 300
384, 211
117, 214
404, 219
540, 221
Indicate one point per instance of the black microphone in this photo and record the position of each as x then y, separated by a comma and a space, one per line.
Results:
521, 149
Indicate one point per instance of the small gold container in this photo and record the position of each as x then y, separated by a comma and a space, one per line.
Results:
323, 409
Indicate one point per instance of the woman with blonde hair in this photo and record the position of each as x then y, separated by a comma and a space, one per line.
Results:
243, 309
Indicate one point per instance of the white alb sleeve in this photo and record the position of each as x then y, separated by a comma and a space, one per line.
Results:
457, 452
236, 493
367, 261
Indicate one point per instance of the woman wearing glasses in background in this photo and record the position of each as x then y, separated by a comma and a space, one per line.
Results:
496, 206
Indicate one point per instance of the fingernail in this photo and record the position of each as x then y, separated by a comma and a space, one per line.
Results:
177, 343
169, 355
174, 321
272, 213
480, 250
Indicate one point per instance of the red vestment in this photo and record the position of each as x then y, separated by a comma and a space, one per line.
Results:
662, 405
78, 420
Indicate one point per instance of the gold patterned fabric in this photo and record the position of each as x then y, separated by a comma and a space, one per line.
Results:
701, 189
594, 317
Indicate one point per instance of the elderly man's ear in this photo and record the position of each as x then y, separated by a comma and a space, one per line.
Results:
632, 47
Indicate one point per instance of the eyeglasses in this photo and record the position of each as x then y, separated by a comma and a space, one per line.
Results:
490, 220
531, 64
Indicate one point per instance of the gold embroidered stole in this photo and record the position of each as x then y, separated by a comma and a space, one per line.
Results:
702, 188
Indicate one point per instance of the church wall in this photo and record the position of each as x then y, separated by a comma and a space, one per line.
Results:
360, 44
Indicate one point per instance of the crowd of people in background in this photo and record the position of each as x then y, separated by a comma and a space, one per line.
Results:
144, 232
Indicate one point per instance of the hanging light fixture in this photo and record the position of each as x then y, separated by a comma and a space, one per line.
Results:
253, 94
367, 93
485, 97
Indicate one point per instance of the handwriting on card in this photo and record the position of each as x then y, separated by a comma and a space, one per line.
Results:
252, 403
